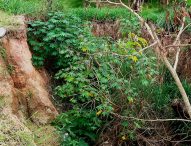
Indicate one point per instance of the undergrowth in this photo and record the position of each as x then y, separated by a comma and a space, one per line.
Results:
101, 79
95, 76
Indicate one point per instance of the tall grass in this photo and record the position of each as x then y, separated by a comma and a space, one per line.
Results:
64, 4
28, 7
37, 8
100, 14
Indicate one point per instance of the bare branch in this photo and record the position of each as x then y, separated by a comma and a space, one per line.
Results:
151, 45
177, 58
186, 27
177, 41
181, 45
148, 120
180, 31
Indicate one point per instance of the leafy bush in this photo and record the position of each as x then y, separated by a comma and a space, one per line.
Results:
63, 42
92, 74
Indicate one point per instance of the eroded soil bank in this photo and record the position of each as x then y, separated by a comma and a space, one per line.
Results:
25, 104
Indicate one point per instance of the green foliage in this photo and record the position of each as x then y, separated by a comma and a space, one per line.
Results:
155, 14
78, 126
38, 8
161, 94
64, 41
30, 7
64, 4
101, 14
92, 74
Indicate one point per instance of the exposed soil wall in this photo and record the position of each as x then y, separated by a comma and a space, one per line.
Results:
24, 94
30, 93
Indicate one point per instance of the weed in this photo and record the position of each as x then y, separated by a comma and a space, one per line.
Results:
25, 138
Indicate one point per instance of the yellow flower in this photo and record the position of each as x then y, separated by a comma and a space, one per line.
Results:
134, 58
91, 94
130, 99
124, 137
99, 112
84, 49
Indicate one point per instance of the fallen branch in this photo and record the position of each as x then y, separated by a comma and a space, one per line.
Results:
148, 120
181, 45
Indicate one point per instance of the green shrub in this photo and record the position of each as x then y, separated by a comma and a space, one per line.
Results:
78, 126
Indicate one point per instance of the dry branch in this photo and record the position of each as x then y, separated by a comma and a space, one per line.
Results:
148, 120
177, 42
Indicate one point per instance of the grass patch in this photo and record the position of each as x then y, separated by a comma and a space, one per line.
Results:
28, 7
25, 138
2, 102
100, 14
2, 137
116, 13
43, 135
8, 21
13, 134
37, 8
156, 14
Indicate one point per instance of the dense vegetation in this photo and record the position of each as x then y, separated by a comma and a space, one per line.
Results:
90, 77
106, 86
